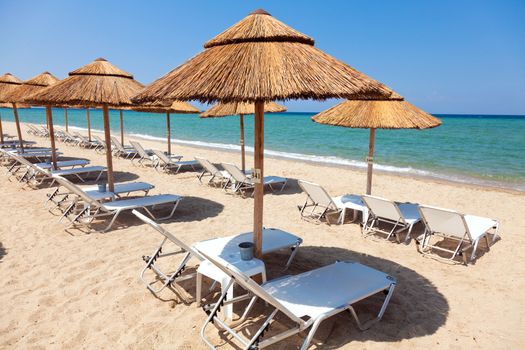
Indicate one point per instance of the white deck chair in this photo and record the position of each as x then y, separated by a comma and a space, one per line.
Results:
273, 240
64, 164
241, 183
466, 230
61, 199
35, 176
84, 141
319, 203
31, 129
127, 152
306, 299
92, 209
143, 155
170, 163
217, 177
403, 217
70, 138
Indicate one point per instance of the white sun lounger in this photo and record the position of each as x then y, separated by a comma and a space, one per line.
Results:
143, 155
241, 183
61, 199
306, 299
466, 230
403, 217
93, 209
127, 152
62, 164
273, 240
35, 175
84, 141
319, 203
217, 177
169, 163
16, 143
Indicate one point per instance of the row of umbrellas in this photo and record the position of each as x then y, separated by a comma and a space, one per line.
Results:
256, 61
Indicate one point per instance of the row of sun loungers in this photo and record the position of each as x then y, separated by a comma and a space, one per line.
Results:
400, 218
234, 179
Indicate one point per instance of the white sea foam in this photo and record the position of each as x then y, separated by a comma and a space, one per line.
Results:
333, 161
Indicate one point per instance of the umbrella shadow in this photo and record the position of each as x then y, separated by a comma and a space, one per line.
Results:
292, 187
3, 251
416, 309
196, 209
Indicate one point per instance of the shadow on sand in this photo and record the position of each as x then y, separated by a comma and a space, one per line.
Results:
189, 209
3, 251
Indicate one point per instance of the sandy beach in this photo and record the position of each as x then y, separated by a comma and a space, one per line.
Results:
69, 289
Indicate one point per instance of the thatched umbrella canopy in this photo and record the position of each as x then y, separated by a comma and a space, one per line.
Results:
27, 88
98, 83
178, 107
241, 109
8, 83
390, 114
261, 59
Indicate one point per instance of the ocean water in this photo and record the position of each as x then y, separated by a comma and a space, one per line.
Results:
478, 149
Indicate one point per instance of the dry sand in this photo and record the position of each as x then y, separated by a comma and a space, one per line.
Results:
74, 290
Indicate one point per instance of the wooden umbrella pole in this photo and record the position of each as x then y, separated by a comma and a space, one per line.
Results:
1, 130
65, 116
88, 124
49, 118
243, 155
168, 131
370, 161
259, 175
121, 128
109, 159
18, 129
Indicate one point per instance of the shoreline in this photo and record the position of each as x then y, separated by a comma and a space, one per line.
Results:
269, 154
435, 178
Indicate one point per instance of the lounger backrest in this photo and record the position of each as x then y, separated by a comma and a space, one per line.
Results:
102, 142
138, 147
166, 234
250, 285
206, 164
161, 156
235, 172
317, 194
444, 221
383, 208
76, 190
117, 143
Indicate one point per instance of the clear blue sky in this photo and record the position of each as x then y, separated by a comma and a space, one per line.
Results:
444, 56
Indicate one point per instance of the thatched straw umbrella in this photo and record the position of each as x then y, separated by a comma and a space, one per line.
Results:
8, 83
177, 107
241, 109
391, 114
27, 88
261, 59
98, 83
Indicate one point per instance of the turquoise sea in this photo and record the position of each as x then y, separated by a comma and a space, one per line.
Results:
477, 149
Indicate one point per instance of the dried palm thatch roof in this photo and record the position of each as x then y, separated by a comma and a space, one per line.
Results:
262, 59
179, 107
31, 86
95, 84
389, 114
236, 108
18, 105
8, 83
